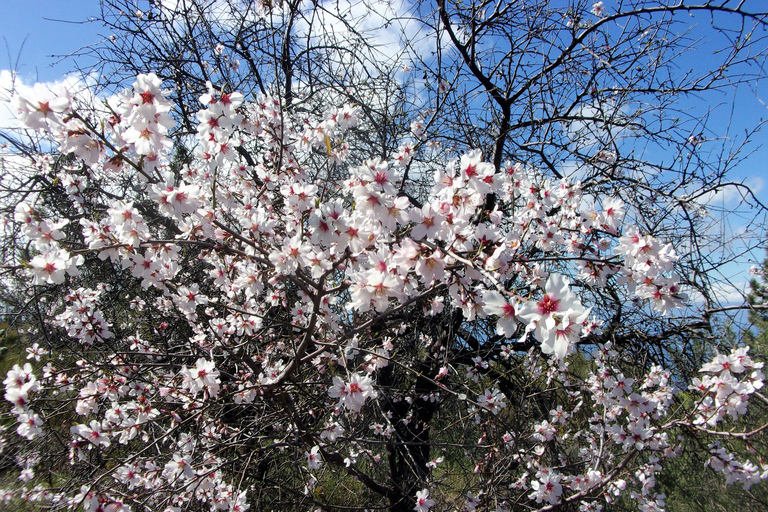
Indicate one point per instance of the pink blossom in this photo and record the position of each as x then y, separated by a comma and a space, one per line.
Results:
354, 393
556, 317
496, 304
423, 503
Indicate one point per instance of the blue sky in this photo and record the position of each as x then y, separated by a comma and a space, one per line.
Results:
33, 20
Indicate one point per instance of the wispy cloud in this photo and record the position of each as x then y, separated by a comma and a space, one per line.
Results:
12, 84
732, 196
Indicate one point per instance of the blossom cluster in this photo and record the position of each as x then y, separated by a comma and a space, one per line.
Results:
20, 384
256, 278
726, 385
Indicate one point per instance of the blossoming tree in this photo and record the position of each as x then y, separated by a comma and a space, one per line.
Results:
279, 300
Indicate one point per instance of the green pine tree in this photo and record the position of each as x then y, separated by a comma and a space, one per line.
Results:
689, 485
756, 336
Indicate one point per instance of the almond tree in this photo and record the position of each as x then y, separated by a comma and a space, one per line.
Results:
289, 267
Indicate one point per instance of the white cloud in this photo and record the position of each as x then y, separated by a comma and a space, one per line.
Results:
393, 35
731, 293
730, 197
226, 14
599, 126
12, 84
723, 293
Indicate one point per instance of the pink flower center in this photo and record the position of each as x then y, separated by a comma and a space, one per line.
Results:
548, 305
147, 97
